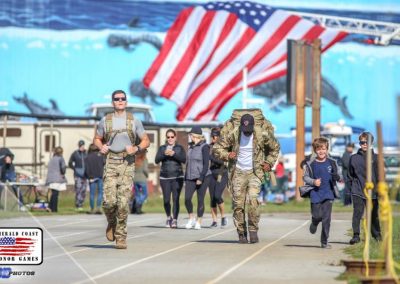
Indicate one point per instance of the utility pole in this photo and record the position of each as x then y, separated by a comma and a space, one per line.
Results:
316, 88
300, 113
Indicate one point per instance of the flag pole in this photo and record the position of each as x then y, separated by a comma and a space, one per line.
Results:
244, 92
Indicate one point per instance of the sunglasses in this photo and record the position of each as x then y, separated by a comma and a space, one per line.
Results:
119, 99
170, 137
363, 142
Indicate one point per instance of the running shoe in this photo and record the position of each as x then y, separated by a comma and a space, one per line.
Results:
197, 226
168, 223
174, 224
224, 222
190, 224
214, 224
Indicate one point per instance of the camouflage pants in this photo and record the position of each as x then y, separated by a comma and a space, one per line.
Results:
245, 187
118, 181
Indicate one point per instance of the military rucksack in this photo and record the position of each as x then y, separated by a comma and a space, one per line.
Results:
234, 122
109, 132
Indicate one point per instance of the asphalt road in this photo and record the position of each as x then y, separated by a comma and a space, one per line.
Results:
76, 251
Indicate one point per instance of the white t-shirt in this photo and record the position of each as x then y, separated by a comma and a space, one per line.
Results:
245, 156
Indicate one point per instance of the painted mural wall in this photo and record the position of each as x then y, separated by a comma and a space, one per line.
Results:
60, 56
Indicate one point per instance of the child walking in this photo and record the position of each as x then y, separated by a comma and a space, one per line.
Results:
321, 173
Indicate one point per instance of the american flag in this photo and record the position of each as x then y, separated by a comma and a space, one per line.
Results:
200, 64
12, 246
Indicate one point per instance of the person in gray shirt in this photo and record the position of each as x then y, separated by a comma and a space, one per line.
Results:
115, 136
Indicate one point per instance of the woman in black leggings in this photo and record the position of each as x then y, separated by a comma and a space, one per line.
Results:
218, 182
171, 156
197, 175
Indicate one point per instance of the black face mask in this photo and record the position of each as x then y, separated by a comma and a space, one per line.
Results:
247, 134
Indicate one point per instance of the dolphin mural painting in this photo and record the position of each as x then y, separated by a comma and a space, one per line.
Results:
275, 92
36, 108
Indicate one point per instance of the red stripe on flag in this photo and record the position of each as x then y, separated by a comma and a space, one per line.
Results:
172, 34
244, 40
269, 45
228, 26
339, 37
190, 53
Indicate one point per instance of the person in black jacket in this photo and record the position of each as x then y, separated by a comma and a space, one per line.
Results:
171, 156
77, 163
218, 182
94, 166
357, 176
345, 170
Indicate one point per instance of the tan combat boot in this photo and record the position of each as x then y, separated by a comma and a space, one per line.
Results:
121, 244
110, 232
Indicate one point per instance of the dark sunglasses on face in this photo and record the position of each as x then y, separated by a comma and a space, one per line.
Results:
119, 99
170, 137
363, 142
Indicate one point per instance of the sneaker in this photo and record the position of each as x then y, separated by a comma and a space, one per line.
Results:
243, 239
214, 224
326, 246
224, 222
197, 226
79, 209
355, 239
168, 223
174, 224
313, 228
190, 224
98, 212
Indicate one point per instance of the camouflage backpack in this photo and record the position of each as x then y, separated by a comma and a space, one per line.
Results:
234, 122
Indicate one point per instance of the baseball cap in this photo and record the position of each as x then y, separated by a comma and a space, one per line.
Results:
81, 143
247, 123
196, 130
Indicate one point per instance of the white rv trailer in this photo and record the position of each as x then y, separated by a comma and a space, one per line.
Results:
31, 141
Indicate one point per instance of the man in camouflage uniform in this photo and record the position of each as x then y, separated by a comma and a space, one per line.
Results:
115, 137
251, 150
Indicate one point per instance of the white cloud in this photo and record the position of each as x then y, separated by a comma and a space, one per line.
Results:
4, 45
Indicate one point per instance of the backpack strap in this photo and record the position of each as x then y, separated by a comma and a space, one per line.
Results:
108, 125
129, 130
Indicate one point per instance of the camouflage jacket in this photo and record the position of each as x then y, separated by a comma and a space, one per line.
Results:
265, 146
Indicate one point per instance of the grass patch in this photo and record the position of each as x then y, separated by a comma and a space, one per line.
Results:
376, 250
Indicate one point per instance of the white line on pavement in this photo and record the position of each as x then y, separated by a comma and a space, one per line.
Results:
233, 268
152, 256
80, 250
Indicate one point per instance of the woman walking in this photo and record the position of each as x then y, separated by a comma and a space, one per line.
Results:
171, 156
197, 175
218, 183
56, 177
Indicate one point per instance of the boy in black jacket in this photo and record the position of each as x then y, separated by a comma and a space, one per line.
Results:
357, 176
321, 173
